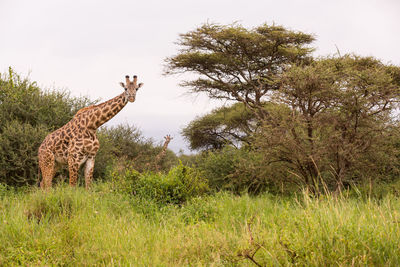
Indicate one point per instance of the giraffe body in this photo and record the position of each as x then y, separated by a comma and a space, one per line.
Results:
76, 142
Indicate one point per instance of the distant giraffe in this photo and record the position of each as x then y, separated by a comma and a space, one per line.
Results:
161, 155
76, 143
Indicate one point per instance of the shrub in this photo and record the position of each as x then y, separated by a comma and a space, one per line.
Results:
19, 143
242, 171
218, 166
176, 187
123, 182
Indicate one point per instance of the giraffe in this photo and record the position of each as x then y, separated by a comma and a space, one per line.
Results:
160, 155
76, 143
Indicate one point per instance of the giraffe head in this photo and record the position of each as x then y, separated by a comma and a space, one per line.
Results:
168, 138
131, 88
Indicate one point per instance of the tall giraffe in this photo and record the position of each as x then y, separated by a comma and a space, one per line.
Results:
161, 155
76, 143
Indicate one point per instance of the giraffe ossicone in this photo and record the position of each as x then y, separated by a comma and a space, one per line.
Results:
76, 143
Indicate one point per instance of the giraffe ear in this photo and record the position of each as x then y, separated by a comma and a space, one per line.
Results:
123, 85
140, 85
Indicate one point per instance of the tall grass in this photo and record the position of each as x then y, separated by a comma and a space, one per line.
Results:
99, 227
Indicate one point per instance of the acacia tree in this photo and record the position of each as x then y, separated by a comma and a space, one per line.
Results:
235, 63
342, 120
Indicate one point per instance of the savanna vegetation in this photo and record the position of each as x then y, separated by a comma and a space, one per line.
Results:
299, 167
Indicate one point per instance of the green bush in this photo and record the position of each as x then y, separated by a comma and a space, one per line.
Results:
24, 101
123, 182
19, 143
242, 171
218, 166
180, 184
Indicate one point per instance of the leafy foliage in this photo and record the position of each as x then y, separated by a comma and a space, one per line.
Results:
242, 171
18, 152
342, 121
236, 63
24, 101
180, 184
231, 125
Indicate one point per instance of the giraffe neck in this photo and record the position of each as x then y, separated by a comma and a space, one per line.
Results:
165, 146
162, 152
103, 112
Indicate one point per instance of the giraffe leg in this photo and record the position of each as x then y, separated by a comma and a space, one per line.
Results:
46, 165
89, 171
74, 162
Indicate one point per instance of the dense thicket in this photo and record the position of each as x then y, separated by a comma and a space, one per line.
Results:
323, 123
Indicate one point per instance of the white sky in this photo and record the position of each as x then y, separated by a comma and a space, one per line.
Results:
88, 46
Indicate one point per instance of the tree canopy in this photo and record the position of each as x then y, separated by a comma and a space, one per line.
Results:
236, 63
343, 120
232, 125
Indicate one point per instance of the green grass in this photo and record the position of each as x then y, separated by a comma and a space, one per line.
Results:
99, 227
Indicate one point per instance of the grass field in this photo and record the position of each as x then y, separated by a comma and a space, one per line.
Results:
99, 227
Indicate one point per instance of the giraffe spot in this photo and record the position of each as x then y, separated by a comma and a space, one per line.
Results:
87, 142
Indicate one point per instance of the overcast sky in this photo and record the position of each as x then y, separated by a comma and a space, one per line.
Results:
88, 47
